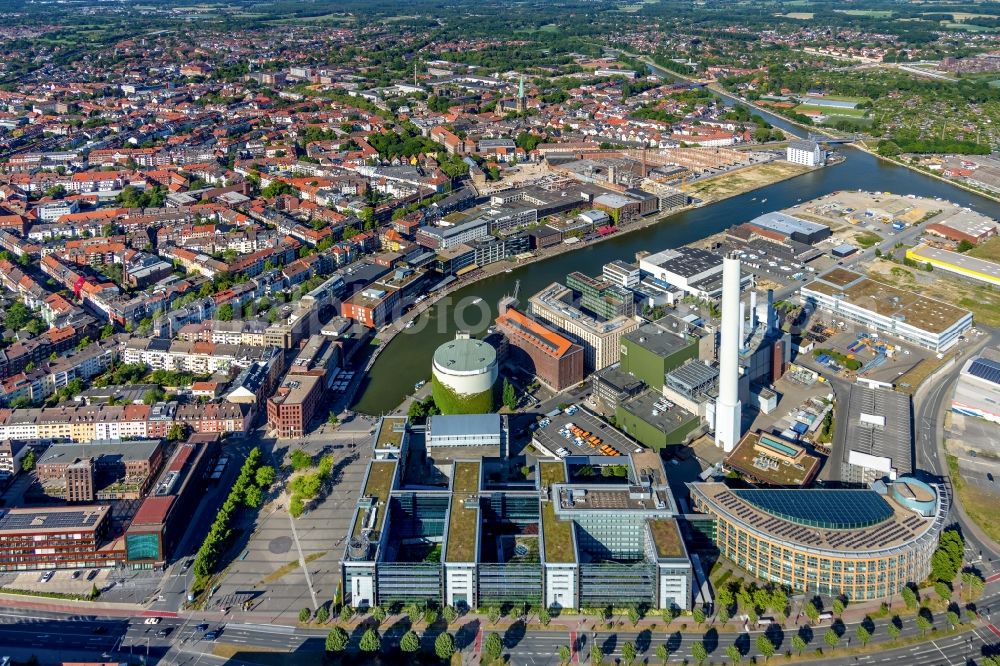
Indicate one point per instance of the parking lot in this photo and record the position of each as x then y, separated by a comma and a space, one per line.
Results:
556, 437
114, 585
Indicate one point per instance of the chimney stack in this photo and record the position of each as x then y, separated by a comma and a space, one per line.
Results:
728, 410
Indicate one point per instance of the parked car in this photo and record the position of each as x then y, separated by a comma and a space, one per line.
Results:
46, 577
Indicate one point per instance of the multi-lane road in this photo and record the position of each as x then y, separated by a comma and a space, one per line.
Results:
53, 636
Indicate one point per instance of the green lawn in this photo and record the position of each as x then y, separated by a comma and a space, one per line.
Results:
988, 250
866, 239
968, 27
871, 13
830, 110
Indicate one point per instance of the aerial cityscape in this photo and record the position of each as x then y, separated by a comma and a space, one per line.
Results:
519, 332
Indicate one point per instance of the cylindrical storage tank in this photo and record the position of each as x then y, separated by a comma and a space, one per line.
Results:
464, 376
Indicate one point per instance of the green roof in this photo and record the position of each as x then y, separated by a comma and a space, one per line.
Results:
552, 472
557, 535
463, 522
388, 435
667, 537
378, 485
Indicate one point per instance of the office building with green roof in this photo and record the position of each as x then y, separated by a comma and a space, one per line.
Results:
480, 538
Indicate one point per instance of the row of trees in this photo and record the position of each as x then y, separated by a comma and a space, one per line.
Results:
371, 643
248, 490
902, 144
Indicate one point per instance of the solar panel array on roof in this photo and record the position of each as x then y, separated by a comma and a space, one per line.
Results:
43, 520
827, 509
986, 369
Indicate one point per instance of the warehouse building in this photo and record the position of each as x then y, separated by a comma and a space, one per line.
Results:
553, 359
887, 310
977, 392
956, 262
793, 228
293, 405
864, 544
965, 225
806, 153
686, 268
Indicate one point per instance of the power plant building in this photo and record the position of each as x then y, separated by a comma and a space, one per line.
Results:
652, 350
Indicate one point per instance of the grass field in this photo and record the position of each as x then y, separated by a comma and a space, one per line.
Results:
910, 381
830, 110
866, 239
744, 180
846, 98
980, 505
871, 13
988, 250
801, 16
968, 27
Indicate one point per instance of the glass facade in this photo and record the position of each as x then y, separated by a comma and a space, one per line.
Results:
142, 546
408, 581
617, 584
510, 583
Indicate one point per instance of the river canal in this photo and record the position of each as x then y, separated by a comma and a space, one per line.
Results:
407, 359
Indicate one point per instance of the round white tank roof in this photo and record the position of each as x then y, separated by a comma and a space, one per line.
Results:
465, 356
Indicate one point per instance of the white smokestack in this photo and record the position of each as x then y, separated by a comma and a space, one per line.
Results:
753, 310
743, 323
728, 411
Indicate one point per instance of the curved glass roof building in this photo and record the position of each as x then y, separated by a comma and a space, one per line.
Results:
862, 543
